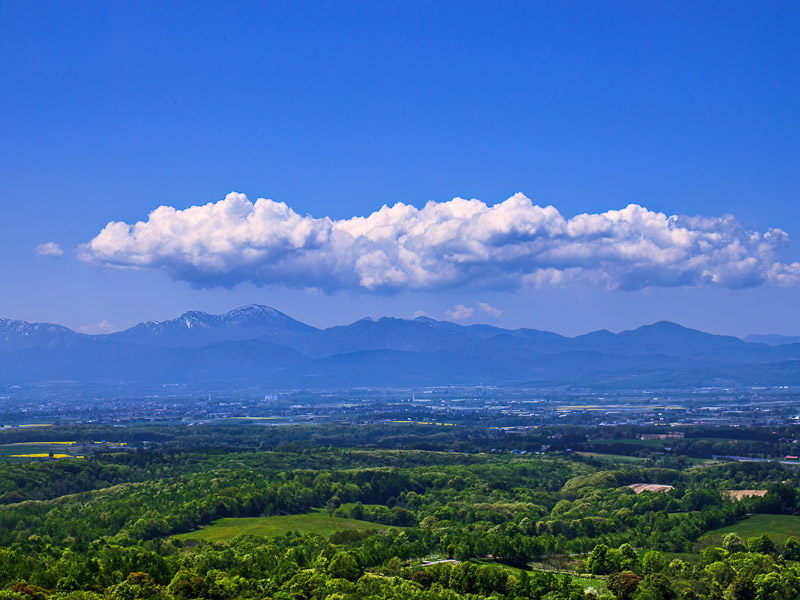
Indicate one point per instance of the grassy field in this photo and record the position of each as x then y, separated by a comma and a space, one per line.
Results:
616, 458
621, 458
635, 442
703, 462
317, 521
587, 582
655, 443
598, 584
777, 527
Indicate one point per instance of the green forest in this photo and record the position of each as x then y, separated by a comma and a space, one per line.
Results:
335, 513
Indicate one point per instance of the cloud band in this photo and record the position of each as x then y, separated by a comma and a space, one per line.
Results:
455, 244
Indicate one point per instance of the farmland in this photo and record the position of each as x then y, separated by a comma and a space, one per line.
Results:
38, 451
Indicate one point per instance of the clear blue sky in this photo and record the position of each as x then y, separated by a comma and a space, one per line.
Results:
112, 109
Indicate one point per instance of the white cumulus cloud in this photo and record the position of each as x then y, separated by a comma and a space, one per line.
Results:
460, 312
49, 249
489, 310
101, 327
455, 244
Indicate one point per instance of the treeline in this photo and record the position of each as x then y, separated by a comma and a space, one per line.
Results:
698, 442
246, 436
755, 569
284, 568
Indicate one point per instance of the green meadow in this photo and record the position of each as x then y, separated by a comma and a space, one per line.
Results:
317, 521
777, 527
587, 582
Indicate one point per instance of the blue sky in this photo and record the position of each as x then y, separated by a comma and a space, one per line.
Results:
112, 109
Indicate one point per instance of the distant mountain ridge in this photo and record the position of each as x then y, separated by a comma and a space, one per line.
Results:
196, 328
257, 344
773, 339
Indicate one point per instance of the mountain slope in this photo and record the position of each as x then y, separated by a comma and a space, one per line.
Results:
388, 333
18, 335
102, 360
195, 328
672, 339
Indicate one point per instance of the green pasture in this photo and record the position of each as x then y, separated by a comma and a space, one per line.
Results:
597, 583
317, 521
615, 458
777, 527
634, 442
587, 582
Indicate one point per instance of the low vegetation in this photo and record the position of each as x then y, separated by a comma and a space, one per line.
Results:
215, 518
316, 521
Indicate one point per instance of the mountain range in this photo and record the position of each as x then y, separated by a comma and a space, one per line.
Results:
260, 345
